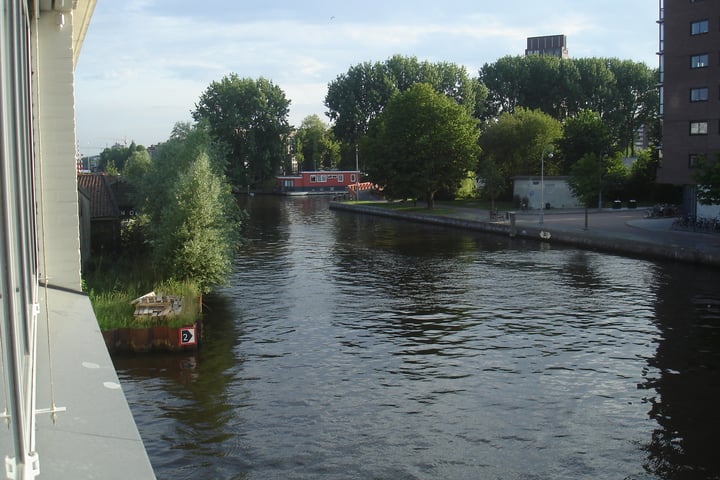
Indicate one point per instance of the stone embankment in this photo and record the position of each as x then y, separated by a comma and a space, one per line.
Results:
624, 231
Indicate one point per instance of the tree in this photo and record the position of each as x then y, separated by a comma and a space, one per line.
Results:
614, 176
641, 182
421, 143
357, 97
622, 92
112, 160
186, 143
534, 82
251, 118
707, 176
634, 101
196, 233
583, 180
517, 142
583, 133
137, 166
316, 147
493, 181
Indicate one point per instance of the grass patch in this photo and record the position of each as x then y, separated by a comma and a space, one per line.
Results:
113, 285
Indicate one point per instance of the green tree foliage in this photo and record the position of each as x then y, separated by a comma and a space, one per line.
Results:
114, 157
196, 234
614, 176
422, 142
251, 118
494, 183
316, 147
357, 97
634, 101
517, 142
641, 181
622, 92
584, 179
137, 166
534, 82
583, 133
707, 176
172, 157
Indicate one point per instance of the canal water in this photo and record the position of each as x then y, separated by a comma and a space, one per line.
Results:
355, 347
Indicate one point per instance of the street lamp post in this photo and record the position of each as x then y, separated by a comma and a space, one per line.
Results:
542, 185
357, 175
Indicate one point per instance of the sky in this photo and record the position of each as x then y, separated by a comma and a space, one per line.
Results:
145, 63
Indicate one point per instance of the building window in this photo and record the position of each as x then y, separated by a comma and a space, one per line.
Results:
693, 160
699, 94
699, 61
313, 179
698, 128
340, 179
699, 27
352, 177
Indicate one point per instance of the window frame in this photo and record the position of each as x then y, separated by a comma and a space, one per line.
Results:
696, 128
699, 23
695, 60
703, 94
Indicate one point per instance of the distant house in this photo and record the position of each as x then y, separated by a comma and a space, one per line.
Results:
557, 193
323, 181
109, 199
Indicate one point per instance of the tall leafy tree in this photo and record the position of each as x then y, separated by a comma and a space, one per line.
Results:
583, 180
251, 117
355, 98
186, 143
421, 143
195, 237
137, 166
622, 92
534, 82
316, 147
634, 101
518, 143
583, 133
596, 84
493, 181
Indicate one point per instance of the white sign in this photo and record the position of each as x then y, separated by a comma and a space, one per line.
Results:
187, 336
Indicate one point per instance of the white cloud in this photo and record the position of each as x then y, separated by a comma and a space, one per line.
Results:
144, 63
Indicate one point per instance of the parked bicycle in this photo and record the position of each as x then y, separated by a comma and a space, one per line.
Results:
663, 210
697, 224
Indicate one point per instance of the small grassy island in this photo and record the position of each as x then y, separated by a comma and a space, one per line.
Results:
175, 249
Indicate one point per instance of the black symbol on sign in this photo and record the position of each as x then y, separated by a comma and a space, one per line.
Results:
187, 336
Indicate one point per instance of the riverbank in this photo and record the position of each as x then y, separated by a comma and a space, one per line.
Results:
623, 231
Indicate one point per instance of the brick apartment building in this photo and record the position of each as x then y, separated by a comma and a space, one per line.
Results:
689, 54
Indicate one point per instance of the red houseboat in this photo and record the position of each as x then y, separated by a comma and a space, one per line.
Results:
318, 182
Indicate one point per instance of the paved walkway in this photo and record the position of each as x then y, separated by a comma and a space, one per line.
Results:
621, 231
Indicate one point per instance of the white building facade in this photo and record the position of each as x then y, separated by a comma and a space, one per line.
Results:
556, 192
64, 406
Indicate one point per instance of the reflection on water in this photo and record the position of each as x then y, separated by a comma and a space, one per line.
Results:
349, 346
687, 386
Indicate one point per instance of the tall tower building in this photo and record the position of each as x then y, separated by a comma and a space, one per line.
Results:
689, 57
550, 45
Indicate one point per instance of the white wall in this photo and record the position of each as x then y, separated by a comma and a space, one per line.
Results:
557, 192
54, 101
708, 211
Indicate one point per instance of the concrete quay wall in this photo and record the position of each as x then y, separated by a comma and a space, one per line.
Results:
643, 244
